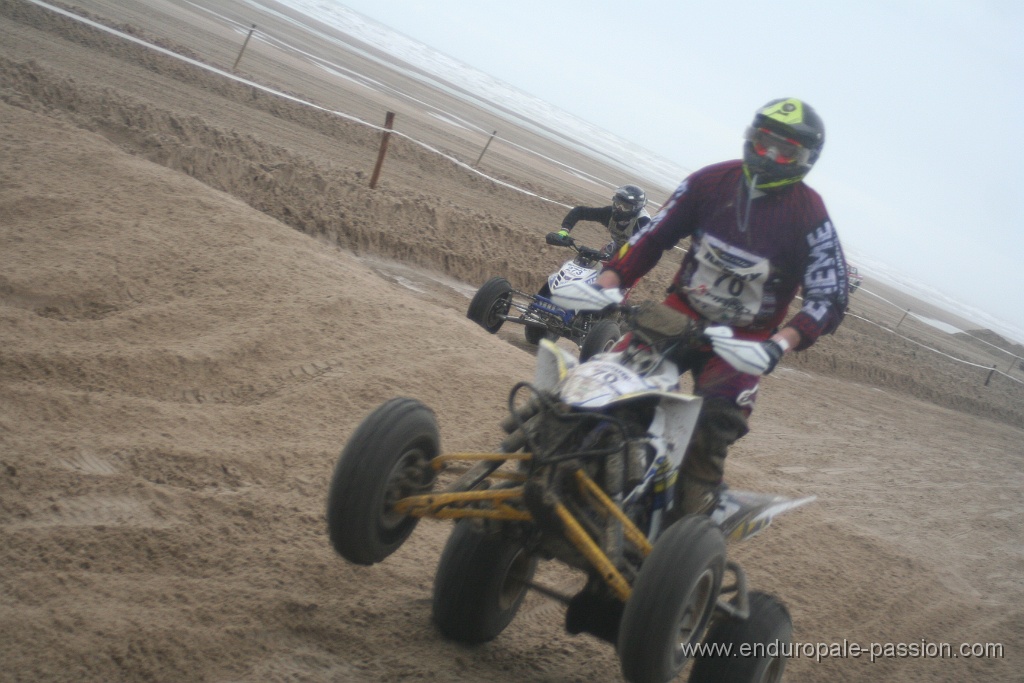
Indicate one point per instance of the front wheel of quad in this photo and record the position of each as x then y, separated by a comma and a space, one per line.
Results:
480, 583
672, 601
601, 337
386, 459
765, 635
491, 304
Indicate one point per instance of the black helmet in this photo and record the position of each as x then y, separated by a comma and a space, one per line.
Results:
627, 202
782, 143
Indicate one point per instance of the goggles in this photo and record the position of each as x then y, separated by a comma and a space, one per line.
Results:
777, 148
623, 206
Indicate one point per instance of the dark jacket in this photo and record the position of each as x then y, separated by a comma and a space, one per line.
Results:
621, 231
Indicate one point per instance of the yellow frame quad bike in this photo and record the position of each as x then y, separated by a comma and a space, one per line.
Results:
586, 477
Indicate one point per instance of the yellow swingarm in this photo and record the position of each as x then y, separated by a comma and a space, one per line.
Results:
506, 504
488, 503
441, 461
465, 504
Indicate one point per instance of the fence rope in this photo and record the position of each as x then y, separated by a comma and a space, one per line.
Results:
941, 353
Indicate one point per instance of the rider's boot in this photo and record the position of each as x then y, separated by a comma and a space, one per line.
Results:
701, 476
696, 497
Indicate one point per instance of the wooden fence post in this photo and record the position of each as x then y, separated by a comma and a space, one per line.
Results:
484, 149
389, 120
990, 373
240, 52
901, 319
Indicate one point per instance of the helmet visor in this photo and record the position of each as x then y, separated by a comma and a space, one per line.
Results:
773, 146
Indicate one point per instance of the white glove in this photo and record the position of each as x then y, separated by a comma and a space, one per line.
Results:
752, 357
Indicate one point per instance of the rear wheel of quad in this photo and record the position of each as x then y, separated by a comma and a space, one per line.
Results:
386, 459
764, 634
672, 600
601, 337
491, 304
480, 583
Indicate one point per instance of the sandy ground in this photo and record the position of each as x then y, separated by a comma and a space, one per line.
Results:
200, 298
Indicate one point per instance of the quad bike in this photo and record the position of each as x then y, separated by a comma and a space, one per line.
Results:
497, 302
854, 278
586, 477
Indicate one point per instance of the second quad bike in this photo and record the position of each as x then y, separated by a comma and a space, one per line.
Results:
498, 302
585, 476
854, 277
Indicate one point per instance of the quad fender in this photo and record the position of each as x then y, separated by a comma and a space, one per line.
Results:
677, 412
580, 296
553, 365
742, 514
571, 272
603, 381
673, 424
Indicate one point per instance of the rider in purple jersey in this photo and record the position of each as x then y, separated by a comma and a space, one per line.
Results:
758, 236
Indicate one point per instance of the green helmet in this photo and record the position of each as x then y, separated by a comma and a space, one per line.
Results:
782, 143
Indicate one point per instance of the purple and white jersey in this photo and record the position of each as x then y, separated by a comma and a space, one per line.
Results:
748, 259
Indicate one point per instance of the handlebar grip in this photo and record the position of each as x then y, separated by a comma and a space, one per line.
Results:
557, 240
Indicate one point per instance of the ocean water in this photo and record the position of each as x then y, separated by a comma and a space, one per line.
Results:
491, 94
541, 117
919, 290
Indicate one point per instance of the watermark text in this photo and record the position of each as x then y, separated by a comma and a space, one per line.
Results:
872, 652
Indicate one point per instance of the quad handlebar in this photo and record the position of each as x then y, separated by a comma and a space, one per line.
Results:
660, 322
557, 240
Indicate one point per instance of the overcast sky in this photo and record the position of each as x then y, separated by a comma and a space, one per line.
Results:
923, 103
